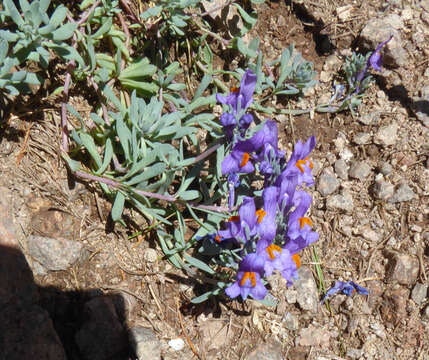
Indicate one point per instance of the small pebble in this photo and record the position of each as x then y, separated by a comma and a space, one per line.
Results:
341, 169
419, 293
176, 344
386, 135
327, 183
150, 255
359, 170
362, 138
402, 193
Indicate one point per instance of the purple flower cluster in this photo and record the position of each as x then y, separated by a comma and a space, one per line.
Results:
272, 234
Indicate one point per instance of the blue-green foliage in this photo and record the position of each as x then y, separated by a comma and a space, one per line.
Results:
145, 131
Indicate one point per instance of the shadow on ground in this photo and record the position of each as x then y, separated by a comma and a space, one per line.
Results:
46, 323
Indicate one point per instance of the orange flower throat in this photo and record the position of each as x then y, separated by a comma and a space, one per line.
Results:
260, 214
248, 275
303, 221
270, 250
300, 163
244, 159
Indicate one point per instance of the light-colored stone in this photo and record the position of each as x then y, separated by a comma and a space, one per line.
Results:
150, 255
383, 190
340, 202
307, 295
54, 254
144, 343
313, 336
359, 170
290, 321
419, 293
402, 193
386, 135
341, 169
214, 334
403, 268
327, 183
362, 138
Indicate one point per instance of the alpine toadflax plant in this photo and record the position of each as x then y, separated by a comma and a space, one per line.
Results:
269, 225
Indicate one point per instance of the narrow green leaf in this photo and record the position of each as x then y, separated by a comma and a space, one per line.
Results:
202, 298
88, 143
118, 206
64, 32
152, 11
148, 173
124, 135
107, 24
205, 82
189, 195
13, 12
58, 16
137, 70
250, 19
143, 88
108, 154
202, 101
199, 264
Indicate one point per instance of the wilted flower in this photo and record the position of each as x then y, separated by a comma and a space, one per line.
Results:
249, 275
374, 61
346, 288
376, 58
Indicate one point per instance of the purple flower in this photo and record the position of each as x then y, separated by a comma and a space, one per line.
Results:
245, 122
375, 59
237, 162
278, 258
266, 225
249, 279
228, 122
240, 98
267, 135
233, 182
346, 288
298, 223
299, 164
236, 226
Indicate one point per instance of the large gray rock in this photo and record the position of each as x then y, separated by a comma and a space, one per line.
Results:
402, 193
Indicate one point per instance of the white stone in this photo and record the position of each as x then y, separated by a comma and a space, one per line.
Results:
176, 344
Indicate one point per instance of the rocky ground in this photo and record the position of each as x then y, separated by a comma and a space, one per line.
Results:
86, 291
